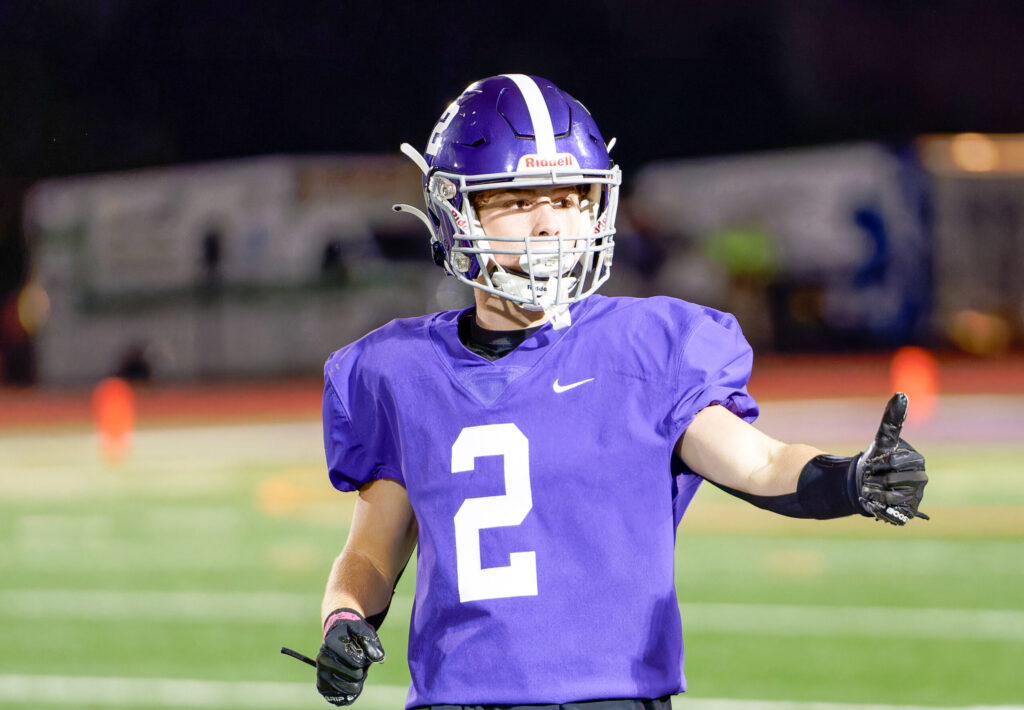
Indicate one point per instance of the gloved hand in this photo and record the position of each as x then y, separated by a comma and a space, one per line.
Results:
350, 645
890, 475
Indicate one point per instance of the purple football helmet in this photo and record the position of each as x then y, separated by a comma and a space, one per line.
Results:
517, 131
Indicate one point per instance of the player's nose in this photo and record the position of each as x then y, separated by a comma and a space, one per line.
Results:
545, 221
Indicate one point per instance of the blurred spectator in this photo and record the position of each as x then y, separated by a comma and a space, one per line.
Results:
16, 352
134, 365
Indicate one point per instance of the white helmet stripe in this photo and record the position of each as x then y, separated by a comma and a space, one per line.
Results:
539, 115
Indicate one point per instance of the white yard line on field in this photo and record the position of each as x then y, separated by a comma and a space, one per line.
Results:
24, 690
185, 606
957, 418
752, 619
73, 548
91, 556
860, 621
257, 433
729, 704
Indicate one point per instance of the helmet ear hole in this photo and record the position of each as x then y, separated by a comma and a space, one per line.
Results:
437, 254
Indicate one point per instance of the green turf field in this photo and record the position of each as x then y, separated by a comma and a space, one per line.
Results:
172, 579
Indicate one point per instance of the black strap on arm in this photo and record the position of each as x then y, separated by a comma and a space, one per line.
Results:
827, 488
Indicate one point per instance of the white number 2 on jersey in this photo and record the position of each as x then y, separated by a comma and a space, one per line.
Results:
519, 577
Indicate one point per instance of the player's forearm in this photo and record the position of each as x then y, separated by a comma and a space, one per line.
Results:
726, 450
356, 583
780, 473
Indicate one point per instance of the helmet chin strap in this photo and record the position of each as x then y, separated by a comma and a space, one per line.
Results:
545, 276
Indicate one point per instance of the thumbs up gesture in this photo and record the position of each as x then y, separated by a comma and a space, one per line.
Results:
890, 472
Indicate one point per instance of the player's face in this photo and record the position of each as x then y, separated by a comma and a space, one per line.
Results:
532, 212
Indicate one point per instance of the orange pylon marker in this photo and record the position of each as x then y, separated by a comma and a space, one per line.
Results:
915, 372
113, 409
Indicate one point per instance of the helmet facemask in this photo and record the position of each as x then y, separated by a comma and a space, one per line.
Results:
553, 270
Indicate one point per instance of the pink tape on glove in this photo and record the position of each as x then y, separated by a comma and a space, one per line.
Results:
340, 615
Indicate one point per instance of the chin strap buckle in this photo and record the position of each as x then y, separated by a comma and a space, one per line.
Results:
559, 316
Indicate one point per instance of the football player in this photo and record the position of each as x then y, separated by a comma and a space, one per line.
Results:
541, 447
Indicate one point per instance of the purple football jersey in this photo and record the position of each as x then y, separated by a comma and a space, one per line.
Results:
543, 491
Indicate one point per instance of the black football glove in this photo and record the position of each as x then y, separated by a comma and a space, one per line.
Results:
350, 646
890, 475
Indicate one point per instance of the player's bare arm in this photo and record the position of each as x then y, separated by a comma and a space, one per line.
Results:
380, 542
886, 480
724, 449
360, 586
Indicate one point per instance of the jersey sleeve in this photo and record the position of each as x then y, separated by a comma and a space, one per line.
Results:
355, 456
714, 367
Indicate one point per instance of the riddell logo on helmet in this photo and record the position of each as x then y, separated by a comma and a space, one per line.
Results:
459, 220
542, 162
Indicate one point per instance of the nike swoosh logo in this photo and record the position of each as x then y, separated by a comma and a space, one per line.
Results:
565, 388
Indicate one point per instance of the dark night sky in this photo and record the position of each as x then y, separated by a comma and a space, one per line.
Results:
95, 85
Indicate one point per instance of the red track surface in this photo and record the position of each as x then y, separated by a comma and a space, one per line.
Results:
775, 377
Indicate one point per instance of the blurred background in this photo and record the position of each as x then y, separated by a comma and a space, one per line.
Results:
195, 199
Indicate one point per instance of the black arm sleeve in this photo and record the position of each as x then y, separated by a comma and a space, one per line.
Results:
827, 489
